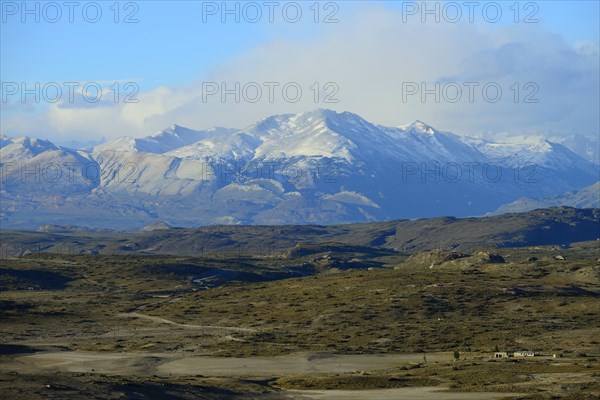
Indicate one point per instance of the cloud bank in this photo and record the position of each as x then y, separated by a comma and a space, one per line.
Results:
467, 78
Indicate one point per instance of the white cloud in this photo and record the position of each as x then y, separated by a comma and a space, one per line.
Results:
369, 58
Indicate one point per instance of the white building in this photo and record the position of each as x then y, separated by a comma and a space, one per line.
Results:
523, 353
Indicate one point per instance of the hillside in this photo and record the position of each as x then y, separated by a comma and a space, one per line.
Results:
588, 197
553, 226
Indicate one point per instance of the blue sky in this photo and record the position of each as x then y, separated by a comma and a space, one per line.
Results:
171, 49
170, 44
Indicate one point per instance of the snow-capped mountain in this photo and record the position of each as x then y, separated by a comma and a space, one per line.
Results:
497, 151
553, 163
587, 148
37, 167
235, 146
588, 197
425, 142
161, 142
547, 154
315, 167
23, 148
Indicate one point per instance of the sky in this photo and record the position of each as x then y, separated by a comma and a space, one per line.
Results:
467, 67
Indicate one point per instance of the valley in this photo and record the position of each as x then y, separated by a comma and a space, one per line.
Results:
349, 311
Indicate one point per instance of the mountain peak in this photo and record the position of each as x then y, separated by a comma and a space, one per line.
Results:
333, 118
418, 127
320, 112
31, 142
172, 130
542, 146
421, 127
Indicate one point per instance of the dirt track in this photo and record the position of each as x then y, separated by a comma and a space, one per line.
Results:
161, 320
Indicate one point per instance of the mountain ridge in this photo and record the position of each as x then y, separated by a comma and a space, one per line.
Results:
558, 226
312, 167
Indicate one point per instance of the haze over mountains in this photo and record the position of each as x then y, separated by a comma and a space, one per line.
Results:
315, 167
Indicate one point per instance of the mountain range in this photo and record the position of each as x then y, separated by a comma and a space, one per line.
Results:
317, 167
588, 197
